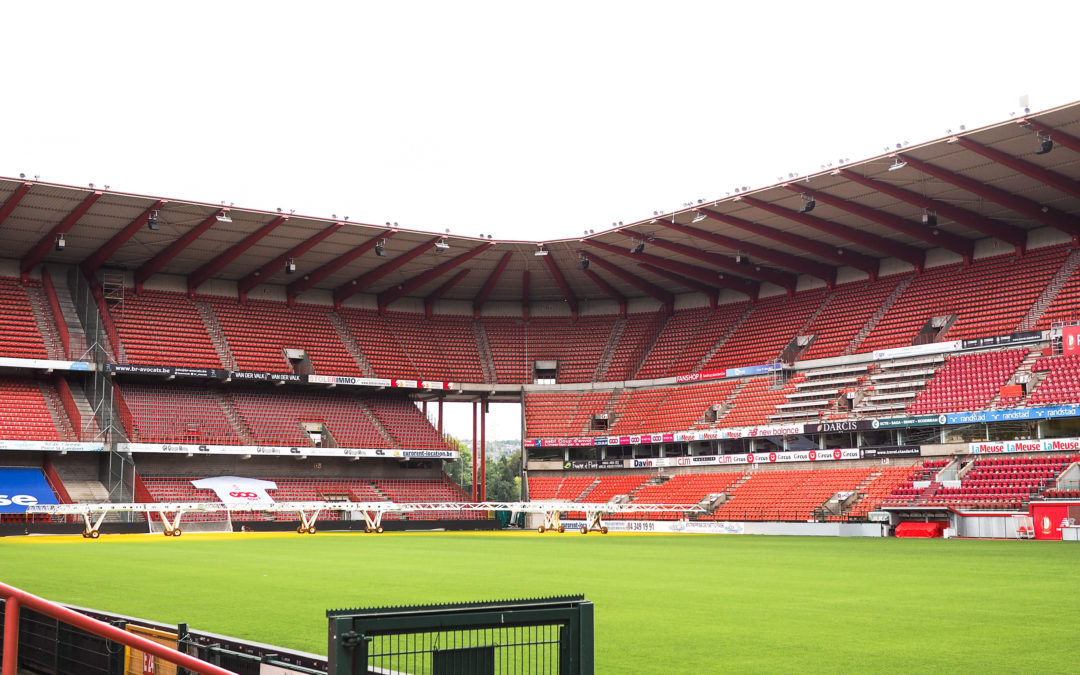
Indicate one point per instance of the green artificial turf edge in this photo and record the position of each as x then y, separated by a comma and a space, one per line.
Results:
683, 603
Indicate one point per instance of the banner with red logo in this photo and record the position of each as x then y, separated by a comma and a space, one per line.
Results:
236, 490
1048, 519
1070, 340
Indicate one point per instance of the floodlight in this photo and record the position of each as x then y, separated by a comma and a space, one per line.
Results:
809, 205
152, 221
699, 217
639, 247
290, 266
60, 242
1045, 145
223, 217
897, 165
380, 248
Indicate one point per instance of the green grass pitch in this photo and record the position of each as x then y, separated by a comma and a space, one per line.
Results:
664, 603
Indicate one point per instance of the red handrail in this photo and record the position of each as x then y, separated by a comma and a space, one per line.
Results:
58, 316
16, 598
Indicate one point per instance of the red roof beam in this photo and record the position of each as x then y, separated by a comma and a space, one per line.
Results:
489, 285
568, 294
702, 274
362, 282
277, 264
827, 273
151, 267
201, 275
410, 285
667, 299
1022, 205
988, 226
1059, 182
98, 257
38, 252
315, 276
782, 279
429, 301
859, 261
608, 289
11, 202
711, 292
909, 254
1058, 137
946, 240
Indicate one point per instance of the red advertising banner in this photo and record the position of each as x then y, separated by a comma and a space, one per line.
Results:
1070, 339
1048, 519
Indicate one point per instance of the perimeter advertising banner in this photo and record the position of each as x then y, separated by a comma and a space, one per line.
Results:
278, 450
22, 487
1044, 445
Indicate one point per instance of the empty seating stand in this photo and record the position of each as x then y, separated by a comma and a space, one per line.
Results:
1062, 381
162, 414
24, 414
260, 331
18, 328
159, 328
967, 382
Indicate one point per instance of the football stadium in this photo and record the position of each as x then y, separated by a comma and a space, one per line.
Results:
879, 363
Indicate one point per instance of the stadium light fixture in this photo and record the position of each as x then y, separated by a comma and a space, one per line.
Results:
540, 250
897, 164
699, 217
224, 217
583, 263
638, 247
290, 266
61, 242
152, 221
380, 248
1045, 144
929, 218
742, 258
441, 246
809, 205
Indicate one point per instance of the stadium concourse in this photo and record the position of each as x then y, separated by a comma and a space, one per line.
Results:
890, 345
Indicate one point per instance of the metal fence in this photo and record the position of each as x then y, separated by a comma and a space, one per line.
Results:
547, 635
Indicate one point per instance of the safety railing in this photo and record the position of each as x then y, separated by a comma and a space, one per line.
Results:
16, 599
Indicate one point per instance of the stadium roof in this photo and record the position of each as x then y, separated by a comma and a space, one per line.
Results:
995, 182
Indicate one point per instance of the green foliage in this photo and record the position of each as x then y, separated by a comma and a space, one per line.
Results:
668, 603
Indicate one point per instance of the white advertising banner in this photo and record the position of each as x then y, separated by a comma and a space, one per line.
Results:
1045, 445
276, 450
234, 489
52, 446
664, 526
747, 459
918, 350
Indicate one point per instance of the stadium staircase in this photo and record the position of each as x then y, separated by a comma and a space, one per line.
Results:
604, 363
732, 329
217, 336
76, 333
634, 345
56, 411
483, 350
243, 431
1051, 292
46, 323
647, 343
351, 345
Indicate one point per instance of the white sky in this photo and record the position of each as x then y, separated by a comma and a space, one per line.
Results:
520, 120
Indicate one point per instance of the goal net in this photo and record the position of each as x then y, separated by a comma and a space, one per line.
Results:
193, 522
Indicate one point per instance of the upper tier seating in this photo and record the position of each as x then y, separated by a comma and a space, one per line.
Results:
634, 343
18, 328
844, 314
512, 358
260, 331
686, 338
772, 324
1066, 305
967, 382
990, 297
558, 414
411, 346
668, 408
162, 414
1062, 383
158, 328
24, 415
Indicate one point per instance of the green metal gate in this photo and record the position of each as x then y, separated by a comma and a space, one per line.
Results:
546, 635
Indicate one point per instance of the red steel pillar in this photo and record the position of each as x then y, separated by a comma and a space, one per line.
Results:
11, 636
474, 457
440, 418
483, 451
